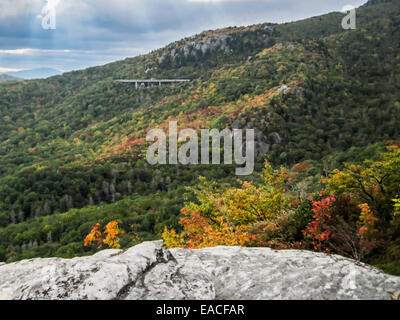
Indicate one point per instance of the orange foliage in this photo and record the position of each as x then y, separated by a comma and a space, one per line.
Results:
112, 233
367, 231
94, 236
367, 219
109, 237
200, 233
234, 216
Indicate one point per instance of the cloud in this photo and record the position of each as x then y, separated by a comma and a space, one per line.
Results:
9, 70
30, 51
100, 31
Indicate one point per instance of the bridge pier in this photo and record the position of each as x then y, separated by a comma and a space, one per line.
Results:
151, 82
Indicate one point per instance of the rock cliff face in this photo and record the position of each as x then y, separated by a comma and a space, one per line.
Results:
201, 46
148, 271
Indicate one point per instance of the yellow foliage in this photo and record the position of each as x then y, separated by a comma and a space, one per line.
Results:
77, 141
228, 217
172, 239
112, 233
109, 237
372, 182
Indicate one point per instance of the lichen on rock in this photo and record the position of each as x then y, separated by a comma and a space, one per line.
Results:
149, 271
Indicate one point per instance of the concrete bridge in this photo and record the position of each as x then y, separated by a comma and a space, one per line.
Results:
141, 84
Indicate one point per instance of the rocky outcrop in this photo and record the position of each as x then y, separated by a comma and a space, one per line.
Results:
195, 48
148, 271
298, 91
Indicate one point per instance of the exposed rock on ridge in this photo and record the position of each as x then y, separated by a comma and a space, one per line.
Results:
148, 271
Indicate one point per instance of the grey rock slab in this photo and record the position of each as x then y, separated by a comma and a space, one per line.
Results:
149, 271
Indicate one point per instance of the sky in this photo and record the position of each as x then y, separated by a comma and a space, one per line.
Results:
96, 32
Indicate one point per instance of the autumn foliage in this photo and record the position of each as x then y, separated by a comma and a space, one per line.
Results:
354, 213
318, 230
200, 233
109, 237
234, 216
95, 236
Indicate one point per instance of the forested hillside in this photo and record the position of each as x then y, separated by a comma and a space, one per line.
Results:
72, 146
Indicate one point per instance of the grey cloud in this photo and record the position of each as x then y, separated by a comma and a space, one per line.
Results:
101, 25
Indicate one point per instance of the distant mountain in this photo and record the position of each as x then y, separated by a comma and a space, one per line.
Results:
35, 73
5, 77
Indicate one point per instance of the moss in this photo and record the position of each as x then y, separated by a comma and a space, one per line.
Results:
392, 268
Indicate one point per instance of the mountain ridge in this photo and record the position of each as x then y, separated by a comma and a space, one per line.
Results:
38, 73
6, 77
71, 146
